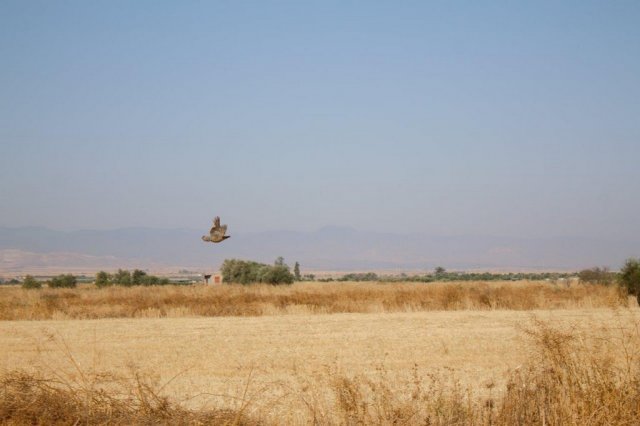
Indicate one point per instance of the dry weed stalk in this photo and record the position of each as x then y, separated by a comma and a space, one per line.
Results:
79, 396
571, 378
577, 379
27, 399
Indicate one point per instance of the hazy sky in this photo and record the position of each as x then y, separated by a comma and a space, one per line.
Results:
449, 118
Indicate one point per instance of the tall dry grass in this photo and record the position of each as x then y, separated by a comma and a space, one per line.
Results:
29, 399
89, 302
85, 395
576, 379
571, 378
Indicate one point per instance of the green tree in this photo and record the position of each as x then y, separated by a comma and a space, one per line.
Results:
296, 271
630, 277
240, 271
122, 277
279, 261
359, 276
596, 276
63, 281
247, 272
278, 274
103, 279
150, 280
139, 277
30, 283
439, 270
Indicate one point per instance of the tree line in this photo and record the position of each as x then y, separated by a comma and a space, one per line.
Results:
123, 278
248, 272
60, 281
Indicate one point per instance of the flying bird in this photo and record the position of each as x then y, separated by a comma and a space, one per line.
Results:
216, 234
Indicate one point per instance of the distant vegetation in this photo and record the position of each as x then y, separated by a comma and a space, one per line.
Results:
296, 272
630, 277
31, 283
597, 276
63, 281
249, 272
440, 274
60, 281
235, 271
363, 276
127, 279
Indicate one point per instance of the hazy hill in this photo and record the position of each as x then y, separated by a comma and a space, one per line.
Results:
330, 248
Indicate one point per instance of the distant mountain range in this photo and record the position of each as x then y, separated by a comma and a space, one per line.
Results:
329, 248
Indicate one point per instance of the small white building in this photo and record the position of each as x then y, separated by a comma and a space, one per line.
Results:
213, 279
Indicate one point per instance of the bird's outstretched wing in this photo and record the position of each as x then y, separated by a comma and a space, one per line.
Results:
217, 231
216, 225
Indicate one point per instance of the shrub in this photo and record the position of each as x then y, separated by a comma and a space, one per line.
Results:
362, 276
630, 277
247, 272
278, 274
103, 279
63, 281
151, 280
127, 279
148, 280
596, 276
30, 283
138, 277
240, 271
123, 278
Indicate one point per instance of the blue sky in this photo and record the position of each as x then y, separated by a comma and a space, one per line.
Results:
446, 118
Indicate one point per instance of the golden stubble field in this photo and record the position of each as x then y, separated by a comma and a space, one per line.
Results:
301, 368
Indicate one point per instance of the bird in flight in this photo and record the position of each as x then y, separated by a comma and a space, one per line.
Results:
216, 234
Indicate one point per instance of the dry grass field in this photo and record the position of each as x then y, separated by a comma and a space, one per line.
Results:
382, 359
89, 302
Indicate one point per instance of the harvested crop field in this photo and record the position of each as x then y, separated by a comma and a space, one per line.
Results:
295, 369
